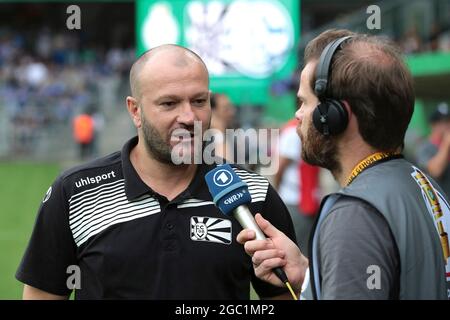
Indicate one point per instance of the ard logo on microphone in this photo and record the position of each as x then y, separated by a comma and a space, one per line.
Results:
222, 178
211, 229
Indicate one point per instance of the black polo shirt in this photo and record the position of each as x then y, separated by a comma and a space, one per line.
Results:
130, 242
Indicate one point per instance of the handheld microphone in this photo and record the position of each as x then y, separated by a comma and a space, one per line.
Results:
230, 194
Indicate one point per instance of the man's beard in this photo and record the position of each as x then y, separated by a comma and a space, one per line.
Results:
160, 149
320, 150
155, 144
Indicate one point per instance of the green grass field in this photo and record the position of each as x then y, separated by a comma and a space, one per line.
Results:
22, 187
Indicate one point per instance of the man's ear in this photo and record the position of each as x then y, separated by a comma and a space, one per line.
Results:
134, 110
210, 94
348, 108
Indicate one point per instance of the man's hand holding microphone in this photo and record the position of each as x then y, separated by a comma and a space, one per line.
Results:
276, 251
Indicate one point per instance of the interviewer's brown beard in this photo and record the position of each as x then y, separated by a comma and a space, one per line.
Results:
320, 150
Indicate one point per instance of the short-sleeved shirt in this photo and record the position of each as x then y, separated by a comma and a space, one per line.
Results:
424, 153
355, 242
130, 242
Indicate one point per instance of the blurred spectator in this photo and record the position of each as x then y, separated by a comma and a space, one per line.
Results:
83, 134
222, 118
433, 41
411, 41
99, 124
434, 154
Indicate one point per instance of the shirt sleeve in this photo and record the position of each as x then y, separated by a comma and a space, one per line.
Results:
51, 249
358, 254
290, 146
274, 210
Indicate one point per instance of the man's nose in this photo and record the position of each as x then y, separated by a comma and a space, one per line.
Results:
186, 114
299, 115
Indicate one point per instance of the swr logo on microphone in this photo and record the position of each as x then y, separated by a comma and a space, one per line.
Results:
234, 198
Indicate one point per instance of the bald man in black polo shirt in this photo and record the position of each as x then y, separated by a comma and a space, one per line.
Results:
136, 225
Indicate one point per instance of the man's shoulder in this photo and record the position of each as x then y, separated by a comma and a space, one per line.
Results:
247, 174
95, 173
352, 219
345, 202
93, 165
257, 184
350, 212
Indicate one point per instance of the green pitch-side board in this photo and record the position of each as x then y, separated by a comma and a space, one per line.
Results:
247, 44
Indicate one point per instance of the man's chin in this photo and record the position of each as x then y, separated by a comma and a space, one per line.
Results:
309, 160
183, 154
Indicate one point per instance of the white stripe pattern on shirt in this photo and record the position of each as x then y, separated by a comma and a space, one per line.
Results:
257, 185
191, 203
96, 209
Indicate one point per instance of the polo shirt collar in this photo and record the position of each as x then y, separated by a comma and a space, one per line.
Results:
198, 188
135, 187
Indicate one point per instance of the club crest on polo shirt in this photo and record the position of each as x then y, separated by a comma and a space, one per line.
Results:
211, 229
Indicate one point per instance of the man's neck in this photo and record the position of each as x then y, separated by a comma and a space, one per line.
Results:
350, 155
165, 179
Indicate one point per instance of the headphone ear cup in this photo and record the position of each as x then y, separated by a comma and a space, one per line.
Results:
320, 118
337, 117
330, 117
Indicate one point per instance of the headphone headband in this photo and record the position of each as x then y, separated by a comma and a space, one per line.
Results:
323, 68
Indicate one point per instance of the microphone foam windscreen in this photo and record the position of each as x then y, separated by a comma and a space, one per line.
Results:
227, 189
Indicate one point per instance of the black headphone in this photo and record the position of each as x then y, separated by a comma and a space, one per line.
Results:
330, 116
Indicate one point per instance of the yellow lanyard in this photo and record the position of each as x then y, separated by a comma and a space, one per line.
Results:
361, 166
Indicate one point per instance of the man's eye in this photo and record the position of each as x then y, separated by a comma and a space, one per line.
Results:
199, 102
168, 103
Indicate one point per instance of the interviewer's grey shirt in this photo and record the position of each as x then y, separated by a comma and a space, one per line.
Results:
353, 237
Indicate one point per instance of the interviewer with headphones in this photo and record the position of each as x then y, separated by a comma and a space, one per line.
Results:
383, 235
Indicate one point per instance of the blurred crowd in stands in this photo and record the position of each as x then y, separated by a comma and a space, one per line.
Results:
438, 40
47, 78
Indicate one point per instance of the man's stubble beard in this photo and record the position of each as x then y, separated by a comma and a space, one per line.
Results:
155, 145
160, 149
319, 150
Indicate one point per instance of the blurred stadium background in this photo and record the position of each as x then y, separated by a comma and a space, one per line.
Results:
49, 74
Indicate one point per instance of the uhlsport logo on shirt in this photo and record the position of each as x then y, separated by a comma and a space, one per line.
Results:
94, 180
211, 229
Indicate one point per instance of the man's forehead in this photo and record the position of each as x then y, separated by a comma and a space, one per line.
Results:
306, 76
167, 58
165, 69
308, 71
163, 66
